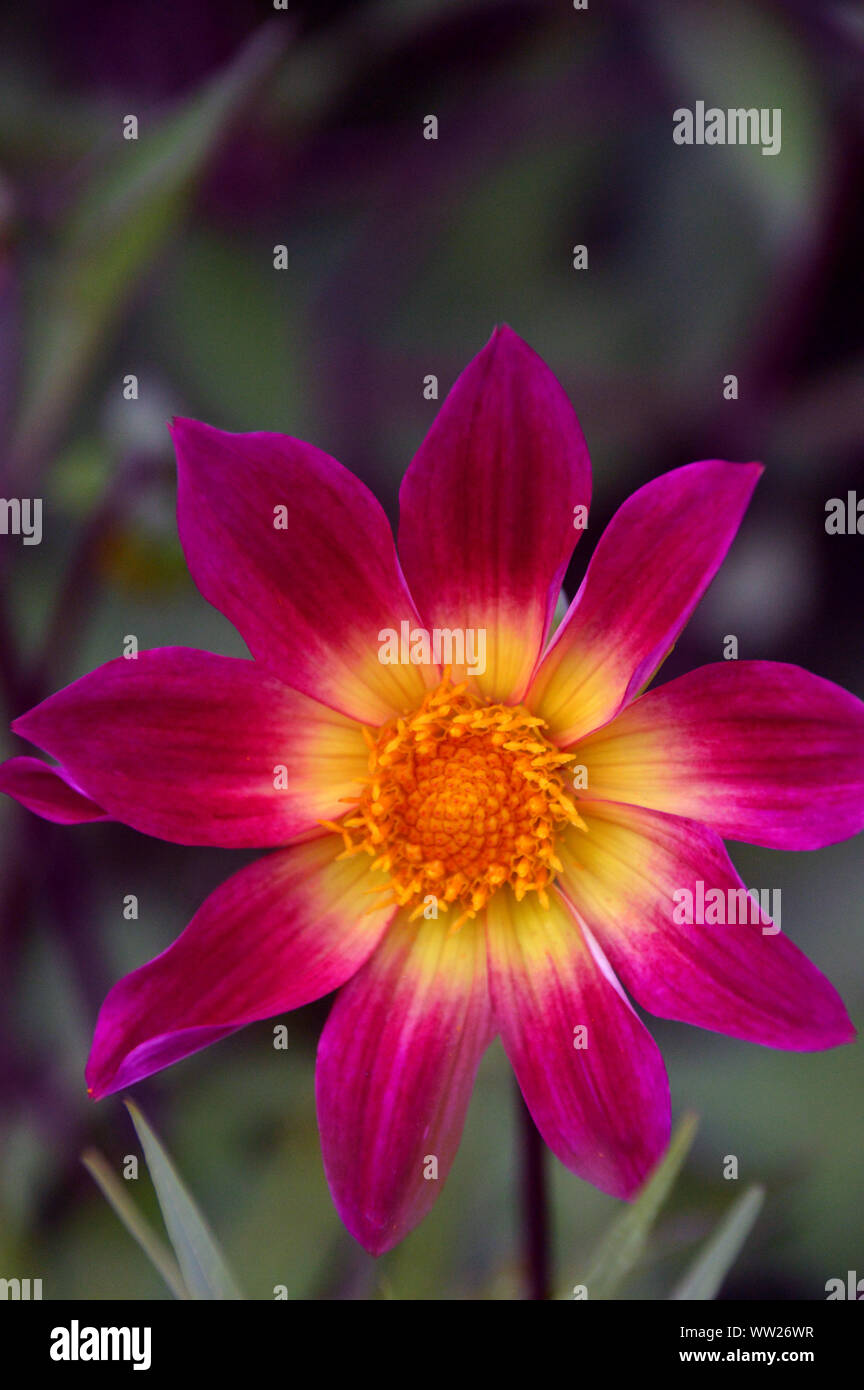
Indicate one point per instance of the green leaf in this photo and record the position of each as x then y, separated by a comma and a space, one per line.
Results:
715, 1259
123, 218
205, 1272
624, 1243
138, 1227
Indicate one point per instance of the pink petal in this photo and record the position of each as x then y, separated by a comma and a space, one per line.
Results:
200, 749
487, 523
310, 598
628, 877
758, 750
396, 1065
603, 1108
652, 565
285, 930
48, 792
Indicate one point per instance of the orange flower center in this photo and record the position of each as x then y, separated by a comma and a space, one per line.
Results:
462, 797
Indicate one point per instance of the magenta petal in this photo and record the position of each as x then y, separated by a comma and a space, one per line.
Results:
48, 792
487, 508
200, 749
758, 750
285, 930
599, 1097
396, 1066
629, 878
299, 556
651, 566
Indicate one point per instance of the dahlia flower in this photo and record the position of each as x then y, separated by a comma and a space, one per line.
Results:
462, 850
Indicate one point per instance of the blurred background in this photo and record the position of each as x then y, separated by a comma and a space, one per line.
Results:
303, 128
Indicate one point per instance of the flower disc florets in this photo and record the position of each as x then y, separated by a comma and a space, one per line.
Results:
462, 797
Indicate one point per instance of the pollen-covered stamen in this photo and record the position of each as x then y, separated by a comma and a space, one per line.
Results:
462, 797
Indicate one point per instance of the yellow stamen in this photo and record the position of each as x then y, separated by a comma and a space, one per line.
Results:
463, 796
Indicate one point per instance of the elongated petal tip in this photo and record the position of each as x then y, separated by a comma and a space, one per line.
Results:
761, 751
846, 1032
488, 507
184, 430
184, 745
645, 882
503, 333
650, 568
591, 1075
277, 534
47, 791
286, 930
395, 1070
